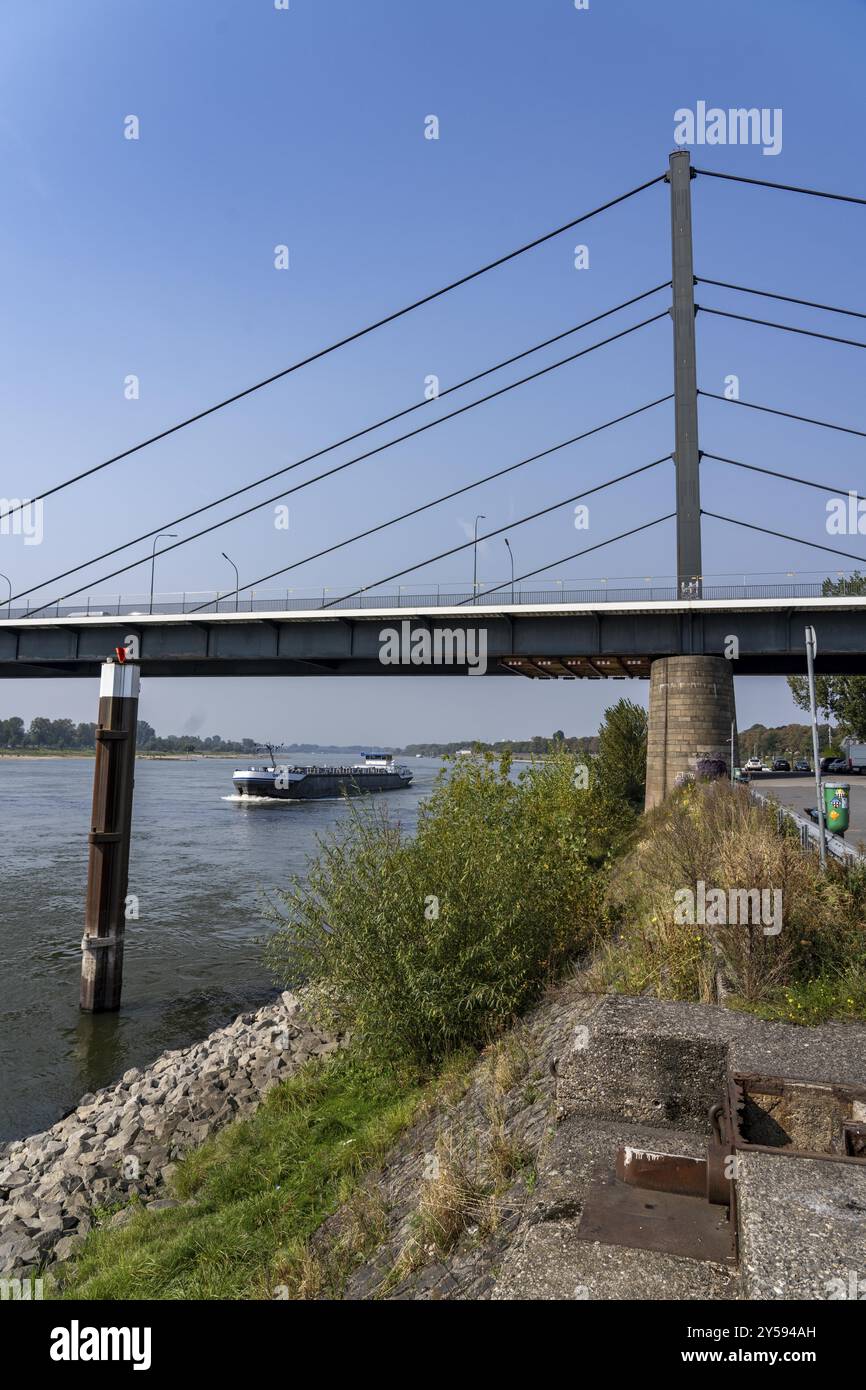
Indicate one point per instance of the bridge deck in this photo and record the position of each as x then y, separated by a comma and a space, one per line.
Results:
593, 640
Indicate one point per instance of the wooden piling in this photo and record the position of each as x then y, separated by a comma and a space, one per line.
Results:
111, 820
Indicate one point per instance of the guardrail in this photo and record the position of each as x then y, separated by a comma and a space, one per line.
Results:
810, 833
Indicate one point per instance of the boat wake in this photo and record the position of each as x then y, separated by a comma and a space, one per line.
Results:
247, 800
260, 800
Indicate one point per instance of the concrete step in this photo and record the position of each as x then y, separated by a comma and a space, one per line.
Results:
549, 1260
659, 1062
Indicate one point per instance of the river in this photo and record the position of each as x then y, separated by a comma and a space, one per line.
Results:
199, 864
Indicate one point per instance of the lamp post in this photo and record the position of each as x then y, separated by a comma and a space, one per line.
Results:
480, 517
9, 599
811, 653
511, 558
163, 536
237, 577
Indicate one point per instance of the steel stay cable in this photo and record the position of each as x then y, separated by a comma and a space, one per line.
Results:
338, 468
343, 342
348, 439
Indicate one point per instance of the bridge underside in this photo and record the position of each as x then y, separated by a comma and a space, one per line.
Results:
588, 643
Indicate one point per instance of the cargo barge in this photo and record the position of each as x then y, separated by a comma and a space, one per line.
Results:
377, 773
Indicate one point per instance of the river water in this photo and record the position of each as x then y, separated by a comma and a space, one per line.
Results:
200, 862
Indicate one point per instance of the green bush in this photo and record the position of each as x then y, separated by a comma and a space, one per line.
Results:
422, 946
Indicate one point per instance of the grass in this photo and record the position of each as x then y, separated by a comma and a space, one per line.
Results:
253, 1196
841, 996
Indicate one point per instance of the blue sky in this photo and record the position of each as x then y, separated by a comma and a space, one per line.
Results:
261, 127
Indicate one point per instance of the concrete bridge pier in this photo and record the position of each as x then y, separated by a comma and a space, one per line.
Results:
691, 709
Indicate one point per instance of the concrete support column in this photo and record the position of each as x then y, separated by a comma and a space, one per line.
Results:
690, 713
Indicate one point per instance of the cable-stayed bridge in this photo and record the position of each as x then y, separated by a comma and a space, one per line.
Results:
688, 636
75, 591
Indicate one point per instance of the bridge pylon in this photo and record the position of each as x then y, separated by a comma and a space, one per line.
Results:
686, 452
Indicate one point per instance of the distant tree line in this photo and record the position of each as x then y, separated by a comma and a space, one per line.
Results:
537, 745
786, 738
758, 738
64, 735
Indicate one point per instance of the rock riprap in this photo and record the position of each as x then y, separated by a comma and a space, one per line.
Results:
122, 1141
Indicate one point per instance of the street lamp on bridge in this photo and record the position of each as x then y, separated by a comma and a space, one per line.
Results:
163, 536
480, 517
511, 558
237, 578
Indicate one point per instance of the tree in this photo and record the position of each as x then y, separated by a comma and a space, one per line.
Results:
621, 762
12, 732
41, 733
842, 698
145, 734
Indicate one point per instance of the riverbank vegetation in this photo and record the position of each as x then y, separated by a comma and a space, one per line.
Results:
249, 1199
803, 965
419, 946
538, 746
429, 949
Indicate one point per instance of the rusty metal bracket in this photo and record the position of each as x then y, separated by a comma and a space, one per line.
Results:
803, 1119
671, 1203
681, 1205
100, 943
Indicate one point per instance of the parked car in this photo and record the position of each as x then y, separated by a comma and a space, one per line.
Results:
833, 765
781, 765
753, 765
802, 765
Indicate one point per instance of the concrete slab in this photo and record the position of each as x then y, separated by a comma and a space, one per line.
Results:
802, 1227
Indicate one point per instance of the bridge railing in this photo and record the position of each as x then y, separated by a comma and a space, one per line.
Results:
329, 598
